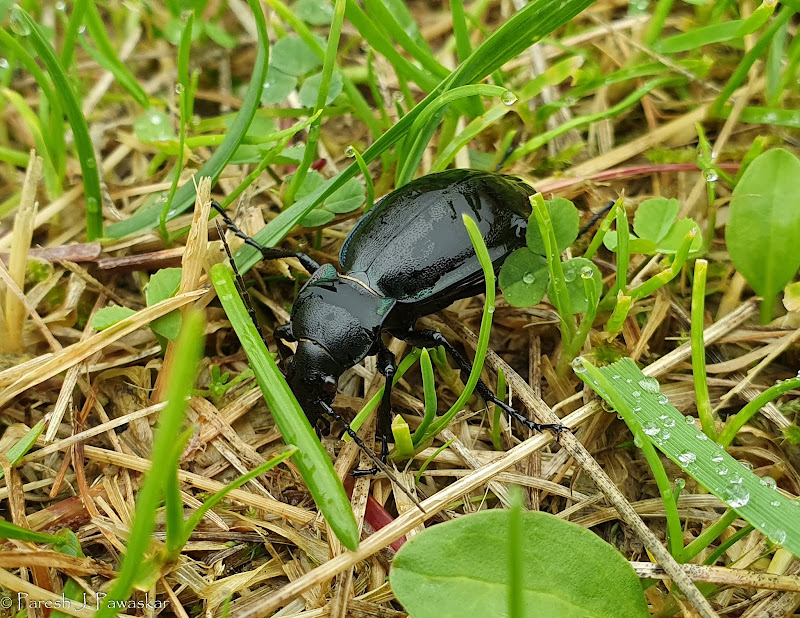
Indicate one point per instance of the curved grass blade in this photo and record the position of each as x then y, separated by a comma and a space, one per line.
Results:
184, 198
638, 400
68, 101
311, 459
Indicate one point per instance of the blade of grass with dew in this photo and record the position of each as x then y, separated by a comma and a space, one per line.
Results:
80, 130
523, 29
311, 459
638, 400
328, 64
107, 57
148, 218
71, 31
483, 335
188, 351
431, 116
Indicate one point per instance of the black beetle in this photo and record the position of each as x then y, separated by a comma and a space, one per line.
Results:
409, 256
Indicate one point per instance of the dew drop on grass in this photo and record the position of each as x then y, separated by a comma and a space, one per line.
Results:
81, 29
637, 440
778, 537
350, 152
529, 278
701, 436
669, 422
578, 365
722, 470
178, 88
588, 273
736, 479
91, 163
746, 464
687, 458
508, 98
689, 420
650, 428
711, 175
18, 23
650, 385
666, 435
680, 484
775, 503
636, 394
768, 481
569, 276
61, 6
3, 64
717, 458
490, 308
736, 496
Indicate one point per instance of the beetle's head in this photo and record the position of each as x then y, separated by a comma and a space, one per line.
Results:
313, 376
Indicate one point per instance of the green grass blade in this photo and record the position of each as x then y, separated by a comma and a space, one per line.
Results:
20, 448
71, 32
636, 398
80, 130
470, 132
699, 350
311, 459
184, 197
188, 350
429, 390
12, 531
460, 30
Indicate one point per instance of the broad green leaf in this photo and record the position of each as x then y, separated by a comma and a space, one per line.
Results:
791, 296
310, 89
655, 217
108, 316
317, 217
566, 222
635, 245
314, 12
292, 56
312, 182
347, 198
638, 400
523, 278
163, 284
154, 126
168, 326
672, 241
763, 232
575, 287
460, 569
278, 86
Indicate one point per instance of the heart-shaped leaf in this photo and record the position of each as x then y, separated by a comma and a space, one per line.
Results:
677, 233
346, 198
566, 221
278, 86
460, 569
655, 217
635, 245
575, 286
523, 278
163, 284
292, 56
763, 231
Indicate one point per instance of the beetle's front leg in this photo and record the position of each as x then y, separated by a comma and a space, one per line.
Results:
432, 338
387, 365
280, 334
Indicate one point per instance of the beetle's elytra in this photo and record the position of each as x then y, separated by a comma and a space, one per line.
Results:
409, 256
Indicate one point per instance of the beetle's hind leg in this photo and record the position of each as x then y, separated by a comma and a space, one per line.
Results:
268, 253
432, 338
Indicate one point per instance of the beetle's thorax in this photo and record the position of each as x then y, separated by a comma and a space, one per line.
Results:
341, 314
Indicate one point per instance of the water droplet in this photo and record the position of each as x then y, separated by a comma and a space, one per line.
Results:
81, 29
663, 400
91, 163
736, 496
650, 428
666, 435
669, 422
508, 98
778, 537
736, 479
650, 385
616, 376
689, 420
18, 22
717, 458
711, 175
768, 481
746, 464
775, 503
61, 6
529, 278
155, 119
587, 272
178, 89
569, 276
636, 394
578, 365
701, 436
397, 96
628, 380
687, 458
637, 441
680, 484
3, 64
350, 152
722, 470
637, 409
490, 308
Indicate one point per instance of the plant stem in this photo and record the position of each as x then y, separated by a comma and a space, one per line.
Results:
699, 350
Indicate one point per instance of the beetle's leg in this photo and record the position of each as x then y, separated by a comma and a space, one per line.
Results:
268, 253
387, 365
432, 338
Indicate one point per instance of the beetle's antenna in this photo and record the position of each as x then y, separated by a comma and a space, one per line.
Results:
242, 288
375, 459
596, 217
506, 155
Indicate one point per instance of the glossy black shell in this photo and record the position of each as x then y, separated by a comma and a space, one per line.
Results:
413, 246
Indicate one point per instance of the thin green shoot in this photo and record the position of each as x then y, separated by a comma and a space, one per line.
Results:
429, 390
573, 347
173, 502
18, 533
657, 21
25, 444
740, 419
483, 336
80, 130
328, 65
431, 459
404, 446
708, 536
605, 225
623, 251
362, 165
664, 277
620, 313
188, 351
723, 547
71, 32
699, 350
184, 51
460, 30
311, 459
471, 131
561, 298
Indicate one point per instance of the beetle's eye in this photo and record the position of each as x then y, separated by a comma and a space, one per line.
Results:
329, 385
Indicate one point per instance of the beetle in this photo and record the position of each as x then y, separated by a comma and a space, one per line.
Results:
407, 257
